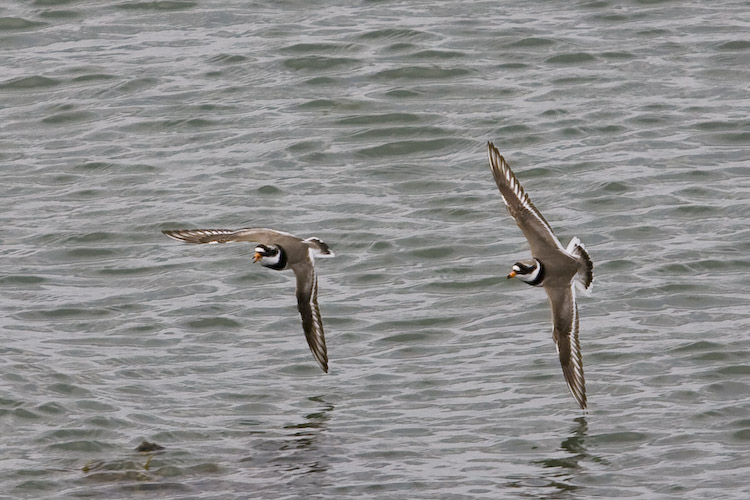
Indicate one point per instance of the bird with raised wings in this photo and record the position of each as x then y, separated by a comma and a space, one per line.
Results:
560, 270
278, 250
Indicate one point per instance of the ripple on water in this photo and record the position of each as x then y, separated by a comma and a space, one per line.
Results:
396, 33
533, 42
158, 5
68, 117
316, 48
228, 59
60, 14
382, 119
436, 54
22, 280
130, 86
573, 58
213, 323
29, 82
365, 125
734, 45
321, 63
403, 93
18, 24
94, 78
65, 313
410, 147
421, 73
331, 105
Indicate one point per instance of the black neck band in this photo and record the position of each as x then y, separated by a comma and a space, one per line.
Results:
281, 264
539, 277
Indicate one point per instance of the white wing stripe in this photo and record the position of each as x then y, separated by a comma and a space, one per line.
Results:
521, 195
577, 387
317, 340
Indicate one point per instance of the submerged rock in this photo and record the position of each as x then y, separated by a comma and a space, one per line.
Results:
147, 446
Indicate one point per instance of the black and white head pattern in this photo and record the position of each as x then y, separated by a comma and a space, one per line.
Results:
270, 256
528, 271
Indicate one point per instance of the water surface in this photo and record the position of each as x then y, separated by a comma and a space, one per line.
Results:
366, 125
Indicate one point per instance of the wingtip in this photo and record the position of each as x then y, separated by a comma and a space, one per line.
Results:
497, 161
170, 233
493, 151
579, 394
178, 235
580, 398
577, 386
322, 360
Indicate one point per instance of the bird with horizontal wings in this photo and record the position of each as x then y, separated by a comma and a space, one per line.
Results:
279, 250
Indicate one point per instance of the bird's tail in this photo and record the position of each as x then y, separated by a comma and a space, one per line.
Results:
319, 248
585, 275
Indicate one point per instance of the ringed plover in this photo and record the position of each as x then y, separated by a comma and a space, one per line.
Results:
560, 270
278, 250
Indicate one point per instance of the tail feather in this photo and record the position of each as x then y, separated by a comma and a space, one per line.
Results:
321, 248
585, 275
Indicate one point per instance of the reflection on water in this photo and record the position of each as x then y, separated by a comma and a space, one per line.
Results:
566, 468
575, 445
562, 471
305, 439
298, 450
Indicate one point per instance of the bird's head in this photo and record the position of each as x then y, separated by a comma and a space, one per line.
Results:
527, 271
267, 255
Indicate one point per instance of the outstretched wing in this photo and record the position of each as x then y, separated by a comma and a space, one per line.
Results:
534, 226
307, 303
565, 334
254, 235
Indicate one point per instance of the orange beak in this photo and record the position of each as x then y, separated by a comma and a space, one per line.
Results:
257, 257
511, 275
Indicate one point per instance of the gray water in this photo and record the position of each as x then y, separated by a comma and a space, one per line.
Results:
366, 125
